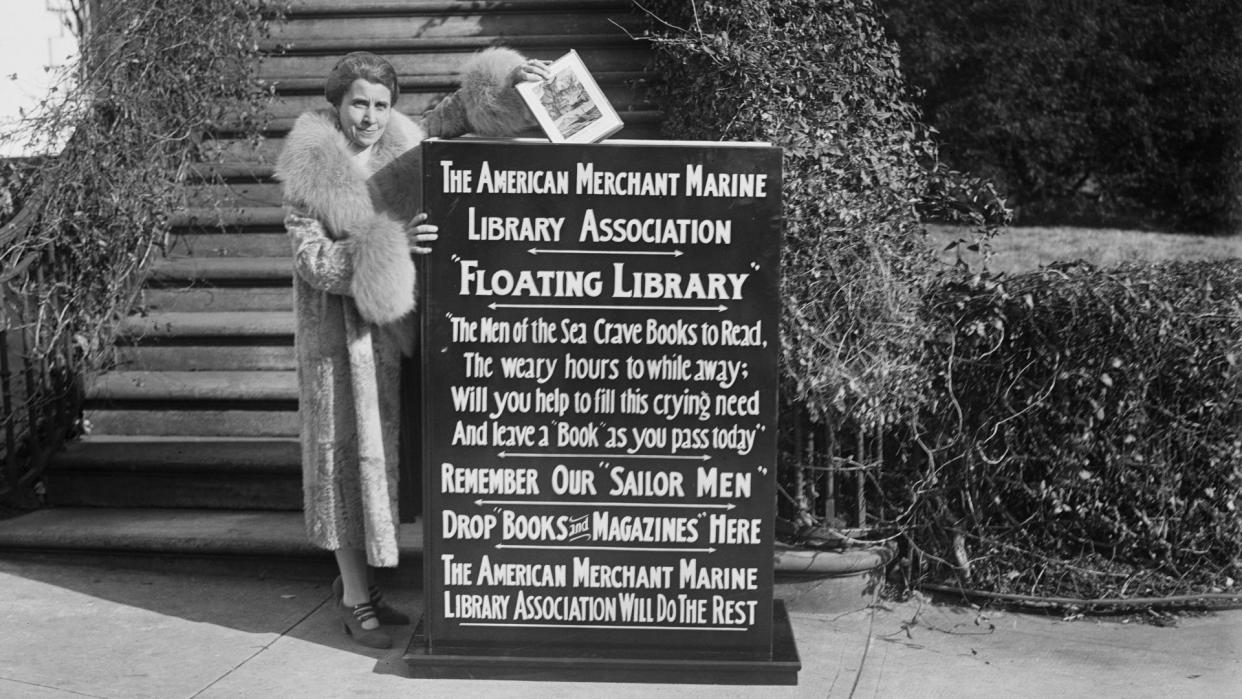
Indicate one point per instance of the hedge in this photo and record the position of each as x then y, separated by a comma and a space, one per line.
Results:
1086, 427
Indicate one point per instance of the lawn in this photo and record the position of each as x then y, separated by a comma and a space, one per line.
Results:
1022, 249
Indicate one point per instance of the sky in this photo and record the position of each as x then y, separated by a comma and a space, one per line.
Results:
32, 37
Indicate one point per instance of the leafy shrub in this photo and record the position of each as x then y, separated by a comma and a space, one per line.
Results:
152, 79
1087, 431
1098, 112
820, 81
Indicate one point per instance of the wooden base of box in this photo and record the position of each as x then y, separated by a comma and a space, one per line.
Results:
591, 665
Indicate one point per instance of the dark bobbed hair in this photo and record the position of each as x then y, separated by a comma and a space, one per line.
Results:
359, 65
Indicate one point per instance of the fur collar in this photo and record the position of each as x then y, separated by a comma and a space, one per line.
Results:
370, 204
320, 176
367, 204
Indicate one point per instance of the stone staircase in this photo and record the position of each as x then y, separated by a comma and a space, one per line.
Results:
193, 444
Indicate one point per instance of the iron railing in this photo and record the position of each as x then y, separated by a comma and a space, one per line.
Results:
40, 369
829, 487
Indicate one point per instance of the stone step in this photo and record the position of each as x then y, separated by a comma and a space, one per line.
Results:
201, 388
167, 532
229, 245
209, 218
194, 423
439, 83
199, 297
622, 98
443, 20
231, 171
184, 470
181, 453
258, 541
259, 491
234, 195
219, 324
637, 125
241, 155
238, 162
332, 8
609, 53
224, 271
235, 154
436, 49
205, 358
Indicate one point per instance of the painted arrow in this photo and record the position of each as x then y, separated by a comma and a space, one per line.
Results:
546, 251
604, 548
560, 503
607, 626
532, 455
589, 307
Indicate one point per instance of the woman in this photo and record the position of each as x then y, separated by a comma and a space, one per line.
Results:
352, 196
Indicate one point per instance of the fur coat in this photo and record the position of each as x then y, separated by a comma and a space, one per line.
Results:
354, 297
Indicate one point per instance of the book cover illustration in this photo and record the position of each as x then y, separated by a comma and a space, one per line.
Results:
570, 107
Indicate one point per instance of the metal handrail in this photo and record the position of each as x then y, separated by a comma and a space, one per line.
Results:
37, 415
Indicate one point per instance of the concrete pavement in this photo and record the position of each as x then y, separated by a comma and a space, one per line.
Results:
109, 629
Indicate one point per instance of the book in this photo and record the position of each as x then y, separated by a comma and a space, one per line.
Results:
569, 106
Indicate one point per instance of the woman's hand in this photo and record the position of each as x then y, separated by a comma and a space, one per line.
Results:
420, 234
533, 70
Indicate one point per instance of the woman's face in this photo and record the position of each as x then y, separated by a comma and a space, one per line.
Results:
363, 112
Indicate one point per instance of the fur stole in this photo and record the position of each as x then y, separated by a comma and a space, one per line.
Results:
369, 206
366, 205
492, 106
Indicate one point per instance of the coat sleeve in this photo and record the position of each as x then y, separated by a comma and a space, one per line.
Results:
384, 279
324, 263
486, 104
373, 265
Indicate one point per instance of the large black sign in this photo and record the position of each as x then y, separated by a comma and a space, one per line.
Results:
599, 395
